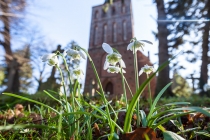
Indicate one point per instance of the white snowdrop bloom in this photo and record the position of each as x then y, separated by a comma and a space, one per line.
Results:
137, 45
147, 69
51, 58
77, 73
113, 57
75, 54
114, 69
25, 131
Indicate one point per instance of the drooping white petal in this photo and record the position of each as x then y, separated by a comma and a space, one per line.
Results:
141, 71
147, 69
52, 59
107, 48
44, 58
106, 65
82, 55
123, 71
74, 54
122, 63
113, 69
71, 52
56, 60
130, 46
77, 73
65, 53
82, 72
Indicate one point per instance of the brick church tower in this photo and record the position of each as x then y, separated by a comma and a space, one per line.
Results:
115, 27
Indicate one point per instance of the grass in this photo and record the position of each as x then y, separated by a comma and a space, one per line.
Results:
54, 115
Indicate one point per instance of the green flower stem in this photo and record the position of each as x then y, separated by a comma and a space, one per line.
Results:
59, 124
136, 69
124, 90
89, 129
70, 84
67, 107
137, 84
103, 97
128, 86
150, 94
30, 100
79, 96
63, 84
101, 90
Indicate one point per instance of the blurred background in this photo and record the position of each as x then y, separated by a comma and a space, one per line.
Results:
30, 29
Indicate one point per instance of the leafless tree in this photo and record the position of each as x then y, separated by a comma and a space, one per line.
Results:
10, 13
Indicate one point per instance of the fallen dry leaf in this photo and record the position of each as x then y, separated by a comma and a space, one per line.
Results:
97, 131
140, 134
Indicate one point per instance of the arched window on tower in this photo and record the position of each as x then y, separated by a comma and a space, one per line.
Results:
105, 33
96, 15
113, 10
124, 31
114, 32
95, 35
123, 9
109, 88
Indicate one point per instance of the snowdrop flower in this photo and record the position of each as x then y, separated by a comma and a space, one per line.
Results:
137, 45
113, 57
75, 54
114, 69
25, 131
61, 91
77, 73
147, 69
51, 58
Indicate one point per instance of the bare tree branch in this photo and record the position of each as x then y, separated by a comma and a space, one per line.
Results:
11, 15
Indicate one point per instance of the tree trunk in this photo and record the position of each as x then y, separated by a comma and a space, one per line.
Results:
163, 76
205, 49
6, 32
13, 83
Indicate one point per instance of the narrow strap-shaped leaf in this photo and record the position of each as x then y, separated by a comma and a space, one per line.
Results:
157, 99
146, 41
30, 100
205, 133
22, 126
196, 109
52, 96
143, 118
168, 135
134, 100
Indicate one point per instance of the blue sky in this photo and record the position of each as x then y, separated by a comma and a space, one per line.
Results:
62, 21
65, 20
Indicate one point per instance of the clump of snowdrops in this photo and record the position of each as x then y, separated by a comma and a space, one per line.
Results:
78, 119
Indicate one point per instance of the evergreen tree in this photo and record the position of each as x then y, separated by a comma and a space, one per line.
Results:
187, 12
163, 54
205, 45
